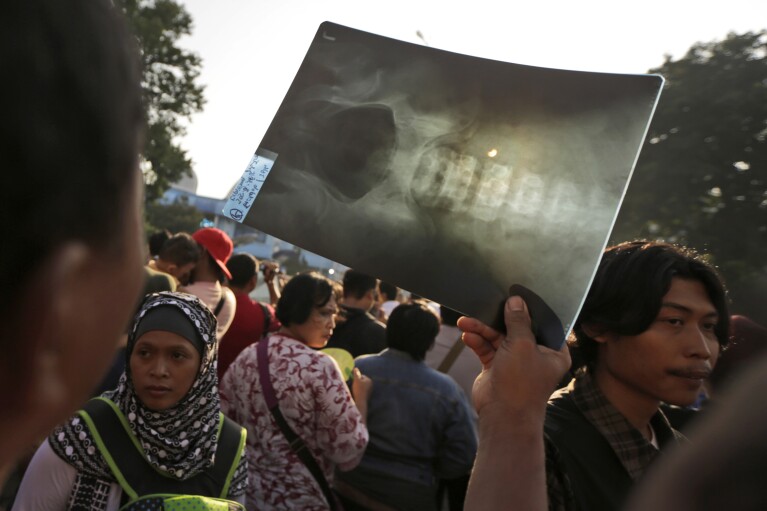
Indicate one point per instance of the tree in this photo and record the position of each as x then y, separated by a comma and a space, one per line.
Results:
701, 178
171, 91
179, 216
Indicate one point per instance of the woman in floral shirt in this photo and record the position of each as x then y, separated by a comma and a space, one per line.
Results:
312, 395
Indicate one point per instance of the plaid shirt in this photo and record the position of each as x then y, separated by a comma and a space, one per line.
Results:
634, 451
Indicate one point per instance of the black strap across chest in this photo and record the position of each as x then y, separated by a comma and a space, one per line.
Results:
220, 304
296, 443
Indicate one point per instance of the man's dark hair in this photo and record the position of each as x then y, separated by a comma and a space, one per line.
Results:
180, 249
156, 240
390, 290
412, 328
300, 295
242, 267
628, 289
70, 136
356, 284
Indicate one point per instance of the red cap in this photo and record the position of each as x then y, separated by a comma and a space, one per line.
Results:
218, 245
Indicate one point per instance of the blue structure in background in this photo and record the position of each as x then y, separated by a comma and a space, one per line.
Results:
247, 239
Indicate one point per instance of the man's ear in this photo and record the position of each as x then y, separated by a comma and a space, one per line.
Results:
597, 332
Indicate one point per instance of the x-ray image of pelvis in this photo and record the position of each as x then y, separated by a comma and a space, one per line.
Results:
451, 176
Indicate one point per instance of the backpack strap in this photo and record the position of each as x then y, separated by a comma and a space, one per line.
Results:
451, 356
127, 462
231, 445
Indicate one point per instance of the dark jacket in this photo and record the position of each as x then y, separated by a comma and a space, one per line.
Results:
597, 478
360, 334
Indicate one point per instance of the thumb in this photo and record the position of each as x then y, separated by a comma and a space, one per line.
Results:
517, 318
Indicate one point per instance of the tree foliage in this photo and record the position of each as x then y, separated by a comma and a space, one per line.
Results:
179, 216
171, 90
701, 178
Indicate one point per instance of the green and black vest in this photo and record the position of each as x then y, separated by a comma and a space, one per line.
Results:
147, 489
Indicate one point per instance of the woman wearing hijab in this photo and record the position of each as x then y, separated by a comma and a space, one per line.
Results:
166, 406
309, 394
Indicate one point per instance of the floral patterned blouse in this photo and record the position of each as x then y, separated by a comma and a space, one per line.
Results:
317, 405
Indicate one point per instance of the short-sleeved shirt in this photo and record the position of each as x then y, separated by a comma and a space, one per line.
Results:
317, 405
246, 328
211, 293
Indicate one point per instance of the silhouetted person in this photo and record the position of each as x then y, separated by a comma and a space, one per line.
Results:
72, 256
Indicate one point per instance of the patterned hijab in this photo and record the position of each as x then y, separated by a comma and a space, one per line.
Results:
180, 441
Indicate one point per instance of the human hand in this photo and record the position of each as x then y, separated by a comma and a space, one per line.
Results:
518, 375
270, 269
361, 386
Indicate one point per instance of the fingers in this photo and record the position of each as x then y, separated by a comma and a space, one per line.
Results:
359, 377
466, 324
482, 339
474, 326
483, 349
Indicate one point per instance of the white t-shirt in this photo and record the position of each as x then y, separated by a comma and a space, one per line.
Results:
210, 294
389, 306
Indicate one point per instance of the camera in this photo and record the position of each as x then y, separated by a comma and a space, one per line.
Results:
265, 265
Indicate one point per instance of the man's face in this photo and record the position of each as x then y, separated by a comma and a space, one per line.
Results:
671, 359
183, 273
112, 284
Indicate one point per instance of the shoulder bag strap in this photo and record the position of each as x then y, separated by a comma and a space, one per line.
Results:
220, 304
451, 356
297, 445
267, 318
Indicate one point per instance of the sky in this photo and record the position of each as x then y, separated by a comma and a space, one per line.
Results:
251, 50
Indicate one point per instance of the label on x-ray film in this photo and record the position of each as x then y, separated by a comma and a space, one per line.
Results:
247, 189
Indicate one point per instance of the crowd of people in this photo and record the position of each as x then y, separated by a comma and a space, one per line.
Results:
218, 401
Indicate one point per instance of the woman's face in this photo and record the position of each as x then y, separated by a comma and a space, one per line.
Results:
163, 368
318, 328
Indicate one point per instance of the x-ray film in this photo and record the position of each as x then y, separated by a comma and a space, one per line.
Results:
451, 176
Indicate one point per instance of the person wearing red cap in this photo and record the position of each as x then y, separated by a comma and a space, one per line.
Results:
210, 273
